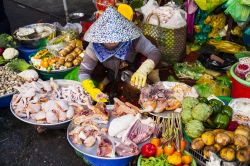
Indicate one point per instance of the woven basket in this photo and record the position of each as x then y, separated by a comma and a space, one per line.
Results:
171, 42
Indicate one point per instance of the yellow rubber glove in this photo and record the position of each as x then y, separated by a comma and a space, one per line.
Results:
94, 92
139, 78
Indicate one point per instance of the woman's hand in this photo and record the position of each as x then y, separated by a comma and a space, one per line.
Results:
139, 78
95, 93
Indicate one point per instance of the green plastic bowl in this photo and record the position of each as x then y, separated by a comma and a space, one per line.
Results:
45, 75
57, 74
193, 163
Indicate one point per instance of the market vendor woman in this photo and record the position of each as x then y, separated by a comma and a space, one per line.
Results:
114, 42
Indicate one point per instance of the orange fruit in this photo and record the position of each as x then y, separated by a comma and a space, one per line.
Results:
177, 153
155, 141
159, 151
169, 150
44, 64
186, 159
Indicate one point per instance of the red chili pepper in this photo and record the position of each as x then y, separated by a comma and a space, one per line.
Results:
232, 125
148, 150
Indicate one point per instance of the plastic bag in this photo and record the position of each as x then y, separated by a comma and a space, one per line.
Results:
191, 8
233, 8
169, 16
178, 20
227, 46
209, 5
245, 2
242, 54
148, 8
70, 30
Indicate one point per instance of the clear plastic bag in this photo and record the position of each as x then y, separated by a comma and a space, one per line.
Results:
178, 20
148, 8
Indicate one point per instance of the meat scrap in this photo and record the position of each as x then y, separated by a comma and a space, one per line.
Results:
139, 131
126, 148
105, 147
121, 108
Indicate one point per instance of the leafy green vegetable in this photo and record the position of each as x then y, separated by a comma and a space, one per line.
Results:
7, 41
189, 70
203, 100
194, 128
3, 61
171, 78
19, 65
186, 116
224, 80
204, 90
189, 102
155, 161
201, 112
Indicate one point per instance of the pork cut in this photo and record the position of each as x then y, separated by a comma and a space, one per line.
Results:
139, 131
105, 147
127, 148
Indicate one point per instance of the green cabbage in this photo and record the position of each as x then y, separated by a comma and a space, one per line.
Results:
186, 115
201, 112
189, 102
194, 128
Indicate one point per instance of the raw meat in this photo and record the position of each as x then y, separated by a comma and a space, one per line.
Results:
126, 148
139, 131
105, 147
121, 108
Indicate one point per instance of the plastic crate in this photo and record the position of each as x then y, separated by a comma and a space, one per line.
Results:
197, 155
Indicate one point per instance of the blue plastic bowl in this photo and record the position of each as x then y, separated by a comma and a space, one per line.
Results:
25, 53
5, 100
96, 161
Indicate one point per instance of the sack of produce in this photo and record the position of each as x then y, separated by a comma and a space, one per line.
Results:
166, 26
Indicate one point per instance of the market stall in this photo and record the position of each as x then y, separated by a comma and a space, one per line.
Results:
193, 109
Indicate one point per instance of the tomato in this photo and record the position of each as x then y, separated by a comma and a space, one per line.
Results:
155, 141
148, 150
